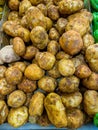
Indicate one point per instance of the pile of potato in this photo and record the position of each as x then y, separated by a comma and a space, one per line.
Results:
48, 73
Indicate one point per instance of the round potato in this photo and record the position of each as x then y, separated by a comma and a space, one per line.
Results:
42, 8
2, 97
72, 100
20, 65
3, 111
16, 99
71, 42
48, 84
27, 85
13, 4
70, 6
53, 34
69, 84
19, 46
75, 118
14, 16
13, 75
91, 56
18, 116
6, 88
46, 60
2, 71
91, 102
66, 67
61, 54
39, 37
36, 106
55, 110
30, 72
91, 82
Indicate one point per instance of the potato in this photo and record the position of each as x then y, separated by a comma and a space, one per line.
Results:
70, 6
13, 29
91, 81
7, 55
53, 12
91, 102
2, 71
42, 8
19, 46
72, 100
30, 72
60, 25
61, 54
20, 65
56, 2
39, 37
71, 42
46, 60
6, 88
30, 52
18, 116
28, 98
36, 2
16, 99
48, 84
33, 119
13, 75
75, 118
53, 34
91, 56
55, 110
79, 25
69, 84
49, 23
66, 67
3, 111
24, 6
53, 47
27, 85
13, 4
36, 104
48, 2
82, 71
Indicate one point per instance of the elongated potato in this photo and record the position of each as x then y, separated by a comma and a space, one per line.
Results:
55, 110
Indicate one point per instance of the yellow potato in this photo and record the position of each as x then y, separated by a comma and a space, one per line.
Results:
13, 4
42, 8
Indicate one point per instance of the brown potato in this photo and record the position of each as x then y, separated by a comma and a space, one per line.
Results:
19, 46
91, 102
79, 25
91, 56
3, 111
36, 106
30, 52
53, 34
13, 4
45, 60
61, 54
48, 84
36, 2
42, 8
71, 42
30, 72
28, 98
2, 71
20, 65
6, 88
55, 110
75, 118
27, 85
16, 99
66, 67
18, 116
69, 84
70, 6
72, 100
53, 47
91, 82
39, 37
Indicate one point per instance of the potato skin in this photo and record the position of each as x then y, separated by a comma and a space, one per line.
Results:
42, 8
13, 4
72, 100
48, 84
61, 54
16, 99
66, 67
30, 72
36, 106
53, 34
69, 84
14, 16
20, 65
13, 75
49, 23
18, 116
36, 2
72, 46
3, 111
6, 88
2, 71
55, 110
28, 98
19, 46
27, 85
